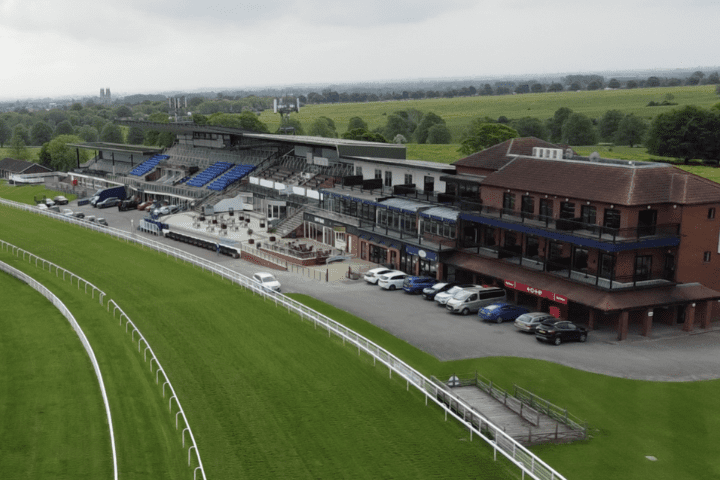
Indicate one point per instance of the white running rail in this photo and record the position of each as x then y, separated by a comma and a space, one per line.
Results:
528, 463
70, 318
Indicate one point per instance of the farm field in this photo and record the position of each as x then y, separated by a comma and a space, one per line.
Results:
458, 112
52, 417
246, 423
265, 394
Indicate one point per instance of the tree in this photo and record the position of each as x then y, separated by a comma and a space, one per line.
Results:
631, 84
556, 122
63, 128
111, 133
22, 132
294, 123
439, 134
323, 127
88, 133
135, 135
687, 133
486, 90
250, 121
5, 133
41, 133
613, 83
652, 82
18, 149
530, 127
594, 85
609, 124
199, 119
63, 157
357, 122
77, 106
395, 125
44, 157
123, 111
481, 135
537, 88
555, 87
363, 134
166, 139
574, 87
578, 129
428, 120
631, 131
713, 78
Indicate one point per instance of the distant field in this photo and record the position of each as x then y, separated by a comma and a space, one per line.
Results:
458, 112
27, 193
5, 153
52, 416
434, 153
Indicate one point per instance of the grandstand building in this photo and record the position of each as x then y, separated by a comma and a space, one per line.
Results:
606, 242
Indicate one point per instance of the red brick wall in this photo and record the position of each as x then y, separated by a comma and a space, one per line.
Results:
699, 235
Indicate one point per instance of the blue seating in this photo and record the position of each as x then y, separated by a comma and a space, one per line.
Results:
209, 174
148, 165
237, 172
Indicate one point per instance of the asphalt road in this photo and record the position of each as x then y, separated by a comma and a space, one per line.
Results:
668, 355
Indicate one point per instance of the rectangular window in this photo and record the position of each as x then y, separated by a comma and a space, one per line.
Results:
588, 214
388, 178
711, 213
643, 267
546, 208
612, 218
532, 246
358, 171
706, 257
647, 220
508, 202
378, 174
408, 179
607, 262
528, 205
567, 210
429, 185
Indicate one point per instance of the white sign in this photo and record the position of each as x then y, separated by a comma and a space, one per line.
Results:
422, 253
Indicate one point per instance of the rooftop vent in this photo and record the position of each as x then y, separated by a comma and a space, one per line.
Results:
550, 153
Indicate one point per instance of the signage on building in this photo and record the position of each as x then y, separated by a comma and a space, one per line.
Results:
536, 291
319, 220
339, 229
422, 253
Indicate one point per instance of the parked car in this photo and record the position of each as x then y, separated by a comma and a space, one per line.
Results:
501, 312
471, 300
267, 281
90, 218
79, 215
144, 205
561, 331
42, 206
108, 202
392, 280
102, 221
61, 200
429, 293
127, 205
372, 275
443, 297
49, 202
529, 322
415, 285
67, 212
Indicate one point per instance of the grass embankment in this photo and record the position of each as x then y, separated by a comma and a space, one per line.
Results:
267, 396
52, 416
458, 112
26, 193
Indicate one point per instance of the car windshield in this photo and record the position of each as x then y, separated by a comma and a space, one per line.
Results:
438, 286
463, 294
267, 278
453, 290
491, 308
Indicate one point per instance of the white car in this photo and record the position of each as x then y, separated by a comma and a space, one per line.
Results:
392, 280
372, 276
67, 212
267, 281
42, 206
443, 297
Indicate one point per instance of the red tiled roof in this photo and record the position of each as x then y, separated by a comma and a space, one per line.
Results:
606, 301
615, 184
497, 156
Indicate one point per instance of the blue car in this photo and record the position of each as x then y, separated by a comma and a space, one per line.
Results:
416, 285
501, 312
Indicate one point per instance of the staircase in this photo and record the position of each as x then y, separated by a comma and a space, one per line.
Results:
290, 223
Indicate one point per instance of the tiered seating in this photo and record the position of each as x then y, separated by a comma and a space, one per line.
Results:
148, 165
206, 176
238, 172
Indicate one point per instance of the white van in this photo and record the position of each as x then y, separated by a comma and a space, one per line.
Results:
473, 299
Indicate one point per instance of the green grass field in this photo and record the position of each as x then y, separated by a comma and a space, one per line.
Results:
26, 194
241, 369
458, 112
52, 417
5, 153
266, 394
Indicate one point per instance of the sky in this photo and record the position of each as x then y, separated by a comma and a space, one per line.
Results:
75, 47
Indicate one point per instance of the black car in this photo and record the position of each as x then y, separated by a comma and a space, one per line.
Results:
430, 292
127, 205
562, 331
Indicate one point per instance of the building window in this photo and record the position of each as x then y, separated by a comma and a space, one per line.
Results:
546, 208
528, 205
612, 218
508, 202
647, 220
408, 179
567, 210
429, 185
378, 174
711, 213
706, 257
388, 178
588, 214
358, 170
643, 267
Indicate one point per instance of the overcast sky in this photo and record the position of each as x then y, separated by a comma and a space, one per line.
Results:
75, 47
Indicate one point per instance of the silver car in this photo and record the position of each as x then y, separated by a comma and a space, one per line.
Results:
529, 322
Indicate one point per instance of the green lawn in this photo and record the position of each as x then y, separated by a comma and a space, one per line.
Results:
52, 417
26, 193
458, 112
6, 153
267, 396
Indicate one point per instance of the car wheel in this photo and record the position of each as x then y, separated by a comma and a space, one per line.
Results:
392, 287
498, 320
558, 341
583, 337
465, 311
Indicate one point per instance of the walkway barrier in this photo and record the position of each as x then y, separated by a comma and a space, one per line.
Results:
83, 339
120, 314
528, 463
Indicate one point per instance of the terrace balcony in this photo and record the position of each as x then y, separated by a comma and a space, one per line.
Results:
576, 231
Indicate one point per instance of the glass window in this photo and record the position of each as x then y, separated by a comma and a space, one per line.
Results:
647, 220
546, 208
711, 213
509, 202
429, 184
388, 178
612, 218
408, 179
643, 267
528, 205
567, 210
588, 213
706, 257
378, 173
358, 171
